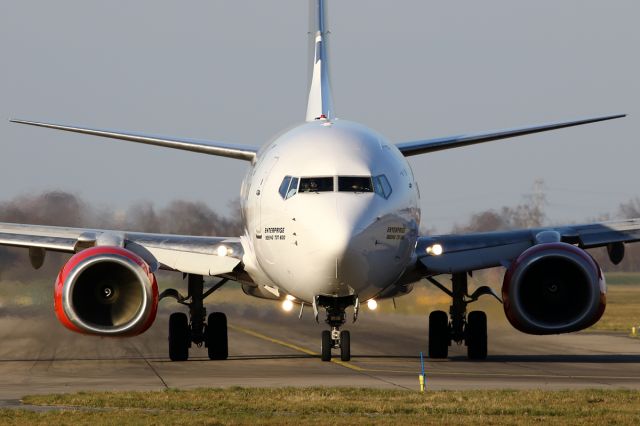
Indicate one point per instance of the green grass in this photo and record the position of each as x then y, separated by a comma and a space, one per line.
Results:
623, 308
629, 278
313, 406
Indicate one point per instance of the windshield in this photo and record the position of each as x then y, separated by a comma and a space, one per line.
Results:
355, 184
316, 184
291, 185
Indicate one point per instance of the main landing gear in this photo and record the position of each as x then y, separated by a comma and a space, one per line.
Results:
458, 326
184, 331
336, 317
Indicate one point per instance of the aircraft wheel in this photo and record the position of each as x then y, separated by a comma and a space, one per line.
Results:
476, 335
438, 334
345, 346
179, 337
216, 338
327, 345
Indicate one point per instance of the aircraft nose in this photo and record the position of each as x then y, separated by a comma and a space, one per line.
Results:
331, 236
336, 225
356, 223
338, 233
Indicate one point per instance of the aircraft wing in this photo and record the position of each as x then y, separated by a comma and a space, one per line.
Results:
237, 151
188, 254
439, 144
464, 253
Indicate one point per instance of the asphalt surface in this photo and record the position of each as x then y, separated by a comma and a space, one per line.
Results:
270, 348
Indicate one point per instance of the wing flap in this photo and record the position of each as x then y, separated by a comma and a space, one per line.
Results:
601, 234
38, 241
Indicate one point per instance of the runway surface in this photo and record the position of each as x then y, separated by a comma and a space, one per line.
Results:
270, 348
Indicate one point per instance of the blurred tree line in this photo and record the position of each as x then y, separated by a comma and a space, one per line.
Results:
196, 218
65, 209
530, 214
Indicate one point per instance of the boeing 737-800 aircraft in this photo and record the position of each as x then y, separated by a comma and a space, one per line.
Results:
331, 218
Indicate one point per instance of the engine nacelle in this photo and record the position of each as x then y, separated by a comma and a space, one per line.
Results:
107, 291
554, 288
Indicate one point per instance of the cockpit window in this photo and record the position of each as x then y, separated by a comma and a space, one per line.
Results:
293, 188
316, 184
284, 186
378, 184
288, 187
382, 186
355, 184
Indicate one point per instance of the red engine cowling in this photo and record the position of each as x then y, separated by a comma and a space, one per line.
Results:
554, 288
107, 291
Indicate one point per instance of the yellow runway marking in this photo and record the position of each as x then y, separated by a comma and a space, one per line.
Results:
432, 372
290, 346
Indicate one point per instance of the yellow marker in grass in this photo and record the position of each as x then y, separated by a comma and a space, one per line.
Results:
421, 377
634, 332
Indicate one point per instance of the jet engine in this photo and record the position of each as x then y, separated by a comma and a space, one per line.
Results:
553, 288
107, 291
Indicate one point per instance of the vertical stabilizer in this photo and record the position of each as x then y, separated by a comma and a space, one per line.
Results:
320, 103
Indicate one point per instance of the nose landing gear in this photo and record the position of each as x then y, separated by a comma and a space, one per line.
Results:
336, 317
336, 339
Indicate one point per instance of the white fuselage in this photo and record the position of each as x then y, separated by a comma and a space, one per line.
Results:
338, 242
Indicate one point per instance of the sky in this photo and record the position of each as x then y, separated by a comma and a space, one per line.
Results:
236, 71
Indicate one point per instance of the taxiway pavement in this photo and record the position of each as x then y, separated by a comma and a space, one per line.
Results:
271, 348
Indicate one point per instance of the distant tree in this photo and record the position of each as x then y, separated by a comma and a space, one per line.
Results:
630, 209
488, 220
529, 214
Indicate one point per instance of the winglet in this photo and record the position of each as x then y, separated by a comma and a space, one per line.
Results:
320, 103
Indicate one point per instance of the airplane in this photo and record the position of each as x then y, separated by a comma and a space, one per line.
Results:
331, 220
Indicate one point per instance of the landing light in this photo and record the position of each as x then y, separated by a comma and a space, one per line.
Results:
372, 304
435, 250
290, 297
287, 305
222, 251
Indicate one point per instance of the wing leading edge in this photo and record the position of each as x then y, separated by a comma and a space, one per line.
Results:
465, 253
432, 145
187, 254
237, 151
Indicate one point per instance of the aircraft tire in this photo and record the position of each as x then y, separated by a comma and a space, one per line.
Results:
438, 335
345, 346
325, 347
179, 337
476, 335
216, 336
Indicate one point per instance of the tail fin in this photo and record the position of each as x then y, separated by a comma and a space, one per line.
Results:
320, 104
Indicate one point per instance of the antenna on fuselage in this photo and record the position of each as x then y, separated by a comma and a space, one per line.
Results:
320, 104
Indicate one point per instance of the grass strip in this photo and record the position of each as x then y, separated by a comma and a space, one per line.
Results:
350, 406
